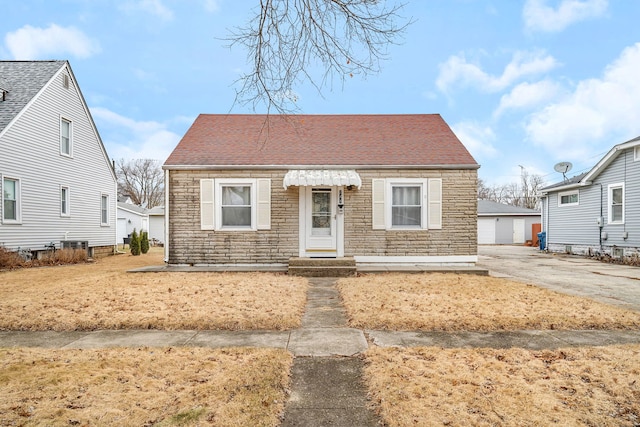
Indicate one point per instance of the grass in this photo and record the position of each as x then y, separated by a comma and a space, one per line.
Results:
102, 295
485, 387
143, 387
448, 302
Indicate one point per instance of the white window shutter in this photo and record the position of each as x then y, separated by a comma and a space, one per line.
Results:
207, 208
435, 203
263, 199
378, 208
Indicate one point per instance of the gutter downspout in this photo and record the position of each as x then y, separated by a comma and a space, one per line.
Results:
166, 216
601, 221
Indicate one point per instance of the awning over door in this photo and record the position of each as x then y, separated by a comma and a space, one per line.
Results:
316, 177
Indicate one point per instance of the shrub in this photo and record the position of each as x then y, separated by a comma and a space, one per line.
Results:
9, 259
144, 242
134, 243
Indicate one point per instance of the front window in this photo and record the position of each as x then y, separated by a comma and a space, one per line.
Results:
406, 206
65, 137
64, 201
236, 206
104, 210
616, 204
568, 198
10, 202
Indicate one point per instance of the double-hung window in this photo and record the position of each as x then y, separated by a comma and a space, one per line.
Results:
406, 206
407, 203
64, 201
104, 209
616, 204
569, 198
235, 204
65, 137
10, 200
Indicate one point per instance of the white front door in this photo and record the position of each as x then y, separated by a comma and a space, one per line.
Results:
319, 222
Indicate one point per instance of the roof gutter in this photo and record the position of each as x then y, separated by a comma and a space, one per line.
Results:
274, 167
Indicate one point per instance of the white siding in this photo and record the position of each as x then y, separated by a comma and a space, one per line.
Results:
30, 150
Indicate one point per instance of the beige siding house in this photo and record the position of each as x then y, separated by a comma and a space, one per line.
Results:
382, 189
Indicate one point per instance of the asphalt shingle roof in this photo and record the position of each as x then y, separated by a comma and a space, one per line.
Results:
316, 140
23, 80
488, 207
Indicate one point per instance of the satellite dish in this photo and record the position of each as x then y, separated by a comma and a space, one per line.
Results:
563, 168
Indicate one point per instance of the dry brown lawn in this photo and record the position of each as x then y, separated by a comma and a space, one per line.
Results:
484, 387
102, 295
143, 387
450, 302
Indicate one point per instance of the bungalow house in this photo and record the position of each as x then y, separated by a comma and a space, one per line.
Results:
598, 211
58, 185
381, 189
505, 224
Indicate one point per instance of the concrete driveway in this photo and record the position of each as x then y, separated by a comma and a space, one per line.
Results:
609, 283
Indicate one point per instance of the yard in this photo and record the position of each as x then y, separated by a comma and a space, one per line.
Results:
192, 386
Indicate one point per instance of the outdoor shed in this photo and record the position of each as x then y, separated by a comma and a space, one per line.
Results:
261, 190
505, 224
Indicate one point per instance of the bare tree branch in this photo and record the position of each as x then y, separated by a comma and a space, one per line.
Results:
142, 180
287, 40
523, 194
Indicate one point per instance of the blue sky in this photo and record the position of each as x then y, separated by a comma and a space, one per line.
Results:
522, 83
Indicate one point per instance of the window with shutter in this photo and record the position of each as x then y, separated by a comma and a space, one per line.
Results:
235, 204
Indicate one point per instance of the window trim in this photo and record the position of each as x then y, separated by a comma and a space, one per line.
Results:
62, 152
18, 219
65, 202
636, 153
231, 182
104, 196
610, 189
568, 193
406, 182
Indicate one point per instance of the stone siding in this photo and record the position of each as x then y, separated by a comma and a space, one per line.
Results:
188, 244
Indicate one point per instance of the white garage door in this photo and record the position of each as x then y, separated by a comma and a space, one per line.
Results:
486, 231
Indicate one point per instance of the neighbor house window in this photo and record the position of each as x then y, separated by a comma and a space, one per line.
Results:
65, 137
568, 198
64, 201
616, 204
104, 209
636, 153
10, 200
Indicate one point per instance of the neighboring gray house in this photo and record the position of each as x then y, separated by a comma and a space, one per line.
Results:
598, 211
57, 182
505, 224
131, 217
156, 224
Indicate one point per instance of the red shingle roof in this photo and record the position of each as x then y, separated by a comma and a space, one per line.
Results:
216, 140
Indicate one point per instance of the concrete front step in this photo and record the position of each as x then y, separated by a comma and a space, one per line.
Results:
322, 267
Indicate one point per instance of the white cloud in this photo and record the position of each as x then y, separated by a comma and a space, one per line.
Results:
211, 5
476, 138
153, 7
457, 71
128, 139
599, 111
29, 43
540, 17
528, 95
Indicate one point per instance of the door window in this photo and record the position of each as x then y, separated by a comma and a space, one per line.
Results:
321, 212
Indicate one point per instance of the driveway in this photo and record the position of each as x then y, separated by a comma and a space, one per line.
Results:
609, 283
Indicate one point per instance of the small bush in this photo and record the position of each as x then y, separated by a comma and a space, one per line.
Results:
144, 242
10, 260
134, 243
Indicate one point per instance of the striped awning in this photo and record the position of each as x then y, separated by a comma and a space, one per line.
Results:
328, 177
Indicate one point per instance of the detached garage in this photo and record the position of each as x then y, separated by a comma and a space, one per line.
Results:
505, 224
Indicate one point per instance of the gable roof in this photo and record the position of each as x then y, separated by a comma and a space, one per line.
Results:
491, 208
254, 141
588, 177
23, 80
